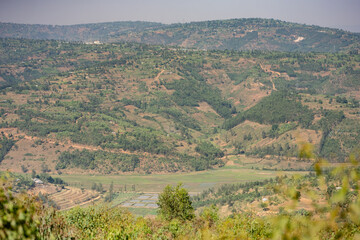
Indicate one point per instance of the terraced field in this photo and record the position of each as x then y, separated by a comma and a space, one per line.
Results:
70, 197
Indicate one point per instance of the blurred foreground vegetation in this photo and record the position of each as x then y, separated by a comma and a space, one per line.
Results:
334, 213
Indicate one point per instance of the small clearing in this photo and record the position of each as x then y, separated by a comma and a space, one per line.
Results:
205, 107
299, 39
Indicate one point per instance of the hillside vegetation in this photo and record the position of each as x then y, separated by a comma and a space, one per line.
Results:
133, 107
233, 34
113, 113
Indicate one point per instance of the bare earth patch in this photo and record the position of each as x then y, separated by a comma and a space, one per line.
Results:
299, 39
205, 107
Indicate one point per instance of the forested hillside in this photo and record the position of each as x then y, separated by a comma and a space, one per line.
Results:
125, 107
233, 34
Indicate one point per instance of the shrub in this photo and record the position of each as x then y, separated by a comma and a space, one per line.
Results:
174, 202
17, 216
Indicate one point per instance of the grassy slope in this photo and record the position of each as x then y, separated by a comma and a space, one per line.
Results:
124, 88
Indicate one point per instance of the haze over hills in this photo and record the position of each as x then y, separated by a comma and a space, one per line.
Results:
233, 34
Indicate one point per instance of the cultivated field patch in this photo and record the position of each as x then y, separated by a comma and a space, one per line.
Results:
70, 197
146, 200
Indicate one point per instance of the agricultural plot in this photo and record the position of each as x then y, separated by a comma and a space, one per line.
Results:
70, 197
147, 200
194, 182
139, 193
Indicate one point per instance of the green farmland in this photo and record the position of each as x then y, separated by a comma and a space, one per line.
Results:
195, 182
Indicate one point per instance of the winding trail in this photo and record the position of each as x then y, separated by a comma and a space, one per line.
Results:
272, 72
159, 74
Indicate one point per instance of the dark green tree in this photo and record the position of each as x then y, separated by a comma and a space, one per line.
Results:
100, 188
174, 202
33, 174
109, 196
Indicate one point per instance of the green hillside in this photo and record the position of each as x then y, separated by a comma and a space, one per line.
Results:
233, 34
130, 107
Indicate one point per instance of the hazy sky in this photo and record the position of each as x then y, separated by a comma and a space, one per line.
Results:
330, 13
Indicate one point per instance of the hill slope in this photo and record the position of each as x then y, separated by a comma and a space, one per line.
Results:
128, 107
234, 34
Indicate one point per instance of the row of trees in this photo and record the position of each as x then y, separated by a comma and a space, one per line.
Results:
86, 159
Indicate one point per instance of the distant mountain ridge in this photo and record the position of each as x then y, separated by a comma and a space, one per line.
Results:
79, 32
232, 34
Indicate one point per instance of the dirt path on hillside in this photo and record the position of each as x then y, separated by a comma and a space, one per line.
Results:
272, 72
150, 82
159, 74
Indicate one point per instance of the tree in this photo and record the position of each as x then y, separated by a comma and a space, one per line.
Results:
33, 174
263, 134
24, 169
174, 202
111, 188
109, 196
100, 188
